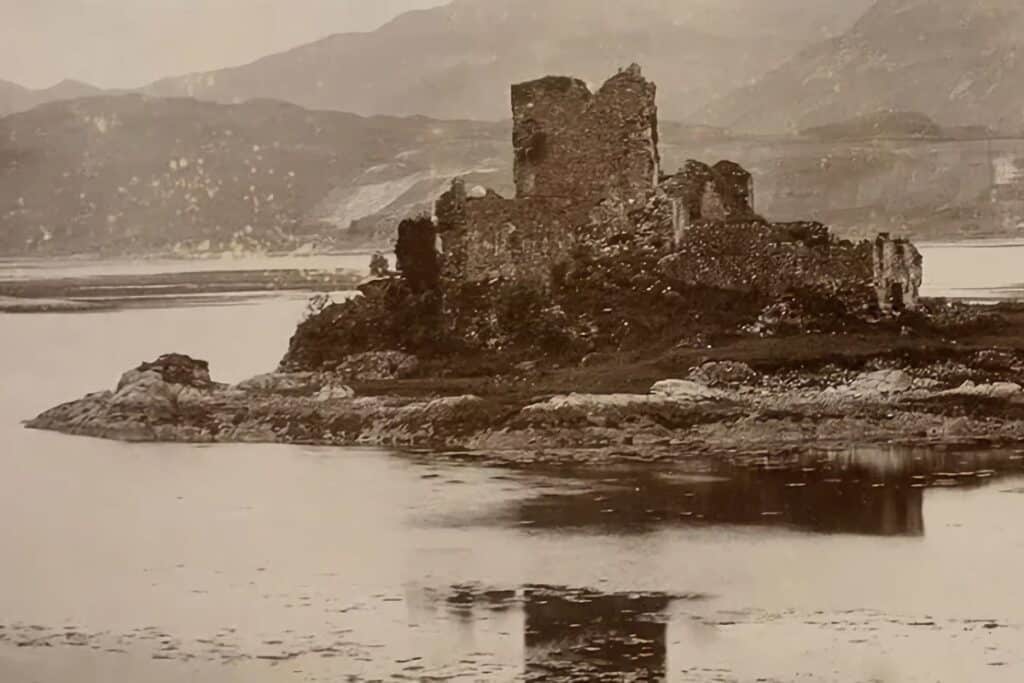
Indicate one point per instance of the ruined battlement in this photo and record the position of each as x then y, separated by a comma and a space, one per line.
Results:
723, 192
572, 143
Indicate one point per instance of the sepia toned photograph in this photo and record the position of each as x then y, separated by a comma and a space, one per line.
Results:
531, 341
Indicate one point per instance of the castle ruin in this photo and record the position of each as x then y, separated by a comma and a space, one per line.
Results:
586, 160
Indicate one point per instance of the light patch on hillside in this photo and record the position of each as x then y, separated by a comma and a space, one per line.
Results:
344, 205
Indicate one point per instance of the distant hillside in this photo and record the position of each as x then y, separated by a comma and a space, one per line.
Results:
878, 126
15, 98
134, 175
457, 61
956, 61
926, 189
129, 174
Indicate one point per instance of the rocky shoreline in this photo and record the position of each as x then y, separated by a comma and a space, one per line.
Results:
717, 407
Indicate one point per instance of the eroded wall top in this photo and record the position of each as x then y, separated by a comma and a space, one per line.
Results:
571, 143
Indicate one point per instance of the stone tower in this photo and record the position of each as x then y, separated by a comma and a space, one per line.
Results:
573, 144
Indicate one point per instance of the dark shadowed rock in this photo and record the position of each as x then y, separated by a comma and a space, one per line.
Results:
172, 368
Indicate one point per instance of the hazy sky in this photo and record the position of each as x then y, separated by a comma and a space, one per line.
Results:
127, 43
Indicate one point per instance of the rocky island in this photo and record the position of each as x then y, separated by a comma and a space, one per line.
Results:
609, 309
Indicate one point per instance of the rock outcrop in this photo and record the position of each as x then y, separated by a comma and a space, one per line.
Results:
173, 399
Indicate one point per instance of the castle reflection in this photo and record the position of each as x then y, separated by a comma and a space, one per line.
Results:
868, 491
577, 634
583, 635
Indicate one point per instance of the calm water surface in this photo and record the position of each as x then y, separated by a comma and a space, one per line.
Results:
986, 270
125, 563
38, 269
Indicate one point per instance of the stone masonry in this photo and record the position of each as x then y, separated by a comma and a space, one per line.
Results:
897, 274
573, 144
586, 160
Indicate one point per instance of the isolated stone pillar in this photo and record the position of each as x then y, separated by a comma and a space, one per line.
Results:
898, 274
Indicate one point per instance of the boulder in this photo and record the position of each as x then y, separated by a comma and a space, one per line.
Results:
164, 384
145, 390
665, 393
685, 390
1001, 390
283, 383
172, 368
882, 382
335, 392
592, 402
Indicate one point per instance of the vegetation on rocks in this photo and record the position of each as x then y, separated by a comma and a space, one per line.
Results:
612, 297
783, 394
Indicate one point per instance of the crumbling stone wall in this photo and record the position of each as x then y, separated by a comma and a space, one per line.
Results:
573, 149
897, 274
574, 144
587, 170
416, 253
723, 192
526, 239
452, 230
773, 260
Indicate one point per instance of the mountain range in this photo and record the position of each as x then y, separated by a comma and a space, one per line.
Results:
15, 98
757, 67
457, 60
880, 116
131, 174
955, 60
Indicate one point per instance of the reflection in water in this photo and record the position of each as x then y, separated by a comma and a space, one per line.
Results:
266, 564
866, 491
577, 634
584, 635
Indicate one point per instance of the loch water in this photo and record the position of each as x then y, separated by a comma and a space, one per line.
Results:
259, 563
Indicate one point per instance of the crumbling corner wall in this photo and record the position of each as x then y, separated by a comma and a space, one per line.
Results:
773, 260
489, 237
723, 192
898, 274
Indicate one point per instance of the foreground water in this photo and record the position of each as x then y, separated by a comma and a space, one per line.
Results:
126, 563
84, 267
